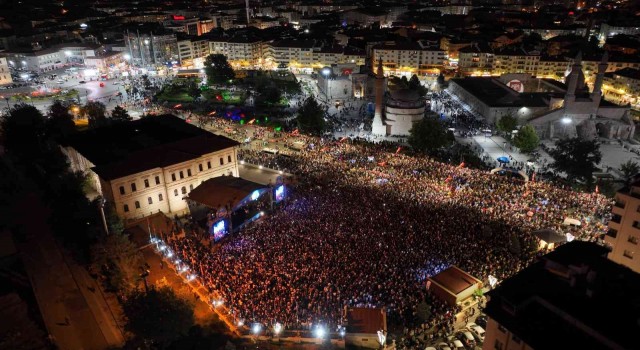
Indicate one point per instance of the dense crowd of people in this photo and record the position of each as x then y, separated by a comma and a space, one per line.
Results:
366, 225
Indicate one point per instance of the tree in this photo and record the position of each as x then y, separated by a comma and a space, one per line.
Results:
577, 158
59, 121
96, 112
158, 315
526, 139
506, 124
269, 96
193, 90
629, 169
441, 82
119, 114
23, 129
429, 135
311, 117
414, 84
118, 259
218, 69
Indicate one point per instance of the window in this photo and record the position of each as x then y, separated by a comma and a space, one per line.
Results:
137, 205
190, 187
208, 165
184, 190
221, 161
160, 197
498, 345
200, 167
133, 187
157, 180
188, 172
150, 200
636, 224
173, 177
126, 208
146, 183
181, 174
121, 189
175, 192
229, 158
628, 254
612, 233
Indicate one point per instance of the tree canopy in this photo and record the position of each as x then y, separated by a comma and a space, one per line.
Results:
96, 112
507, 123
119, 114
24, 129
218, 69
429, 135
414, 84
526, 139
59, 121
119, 260
311, 117
193, 90
158, 315
629, 169
577, 158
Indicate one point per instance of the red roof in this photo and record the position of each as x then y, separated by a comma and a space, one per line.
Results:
366, 320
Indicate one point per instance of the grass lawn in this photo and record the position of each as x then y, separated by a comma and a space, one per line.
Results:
175, 97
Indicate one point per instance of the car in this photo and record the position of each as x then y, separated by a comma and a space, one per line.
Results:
443, 346
430, 348
476, 331
466, 338
457, 345
82, 82
482, 321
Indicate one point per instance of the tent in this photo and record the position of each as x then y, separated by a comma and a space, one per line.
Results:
548, 238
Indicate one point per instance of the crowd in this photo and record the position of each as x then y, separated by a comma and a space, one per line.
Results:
367, 225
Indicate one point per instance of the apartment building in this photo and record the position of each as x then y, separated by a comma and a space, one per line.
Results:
624, 228
571, 298
5, 74
193, 51
409, 58
297, 54
242, 51
516, 60
151, 164
623, 86
476, 59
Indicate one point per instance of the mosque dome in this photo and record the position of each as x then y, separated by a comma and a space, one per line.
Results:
405, 98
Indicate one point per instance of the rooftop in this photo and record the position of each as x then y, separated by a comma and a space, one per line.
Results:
454, 279
365, 320
123, 149
575, 297
222, 190
493, 93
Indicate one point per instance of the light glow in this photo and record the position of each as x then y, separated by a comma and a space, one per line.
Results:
320, 332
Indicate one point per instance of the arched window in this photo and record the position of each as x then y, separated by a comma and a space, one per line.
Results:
126, 208
184, 190
150, 200
175, 192
137, 205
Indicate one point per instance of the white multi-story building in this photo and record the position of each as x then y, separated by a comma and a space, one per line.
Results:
242, 51
151, 164
409, 58
5, 75
193, 51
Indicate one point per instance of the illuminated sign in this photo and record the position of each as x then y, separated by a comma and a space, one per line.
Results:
516, 85
178, 18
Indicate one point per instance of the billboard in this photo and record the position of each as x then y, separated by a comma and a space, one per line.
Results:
516, 85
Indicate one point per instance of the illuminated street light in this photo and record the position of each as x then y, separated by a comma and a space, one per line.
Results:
67, 53
277, 328
566, 120
320, 332
240, 323
126, 56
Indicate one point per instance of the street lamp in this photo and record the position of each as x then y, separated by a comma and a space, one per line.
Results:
320, 332
277, 328
126, 56
326, 72
256, 328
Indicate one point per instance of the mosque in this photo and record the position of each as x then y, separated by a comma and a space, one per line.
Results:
396, 115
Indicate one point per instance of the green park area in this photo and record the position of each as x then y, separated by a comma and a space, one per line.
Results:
180, 92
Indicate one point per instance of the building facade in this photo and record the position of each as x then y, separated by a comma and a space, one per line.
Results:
138, 179
148, 49
192, 52
409, 59
5, 74
624, 228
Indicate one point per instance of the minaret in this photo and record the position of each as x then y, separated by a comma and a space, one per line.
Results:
248, 16
596, 95
378, 127
572, 79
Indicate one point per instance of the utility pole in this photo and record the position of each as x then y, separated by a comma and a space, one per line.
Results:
104, 219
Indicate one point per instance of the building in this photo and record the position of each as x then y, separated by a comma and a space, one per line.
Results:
623, 87
476, 59
366, 327
296, 54
397, 112
193, 51
106, 62
571, 298
5, 74
453, 286
410, 58
365, 17
150, 164
624, 228
242, 50
515, 59
149, 48
554, 110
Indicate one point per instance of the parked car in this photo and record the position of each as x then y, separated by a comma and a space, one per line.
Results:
482, 321
82, 82
476, 331
457, 345
443, 346
466, 338
430, 348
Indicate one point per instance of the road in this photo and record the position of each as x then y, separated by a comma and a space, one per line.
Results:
74, 311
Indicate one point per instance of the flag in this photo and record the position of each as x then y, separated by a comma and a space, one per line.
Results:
398, 150
295, 132
461, 165
597, 189
212, 113
251, 121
